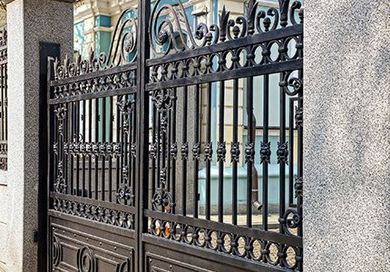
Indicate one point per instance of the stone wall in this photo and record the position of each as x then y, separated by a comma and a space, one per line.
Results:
29, 22
347, 143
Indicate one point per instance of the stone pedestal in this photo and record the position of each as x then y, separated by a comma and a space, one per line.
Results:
347, 136
29, 23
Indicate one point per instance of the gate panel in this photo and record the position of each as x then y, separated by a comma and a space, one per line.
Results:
225, 167
184, 158
92, 169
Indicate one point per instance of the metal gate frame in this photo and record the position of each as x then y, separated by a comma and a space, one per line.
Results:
127, 217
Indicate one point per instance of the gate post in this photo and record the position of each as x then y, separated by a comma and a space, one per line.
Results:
346, 142
29, 23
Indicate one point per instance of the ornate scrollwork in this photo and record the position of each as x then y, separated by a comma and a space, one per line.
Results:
125, 194
184, 151
163, 99
3, 36
3, 164
3, 156
235, 152
265, 152
162, 201
196, 151
170, 28
124, 267
117, 80
291, 220
208, 151
221, 151
86, 261
298, 186
56, 250
60, 182
230, 243
92, 149
282, 153
292, 84
153, 147
299, 117
249, 152
60, 112
164, 176
123, 49
126, 105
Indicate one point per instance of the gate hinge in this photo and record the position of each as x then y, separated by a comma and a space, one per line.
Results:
36, 236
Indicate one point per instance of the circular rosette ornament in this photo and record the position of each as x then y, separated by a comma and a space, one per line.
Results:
291, 221
162, 201
125, 194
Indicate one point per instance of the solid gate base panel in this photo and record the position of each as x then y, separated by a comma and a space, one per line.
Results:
78, 245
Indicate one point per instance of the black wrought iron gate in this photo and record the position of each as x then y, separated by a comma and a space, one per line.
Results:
180, 149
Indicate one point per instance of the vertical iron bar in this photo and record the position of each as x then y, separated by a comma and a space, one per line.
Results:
71, 141
220, 151
210, 157
126, 139
143, 45
77, 140
158, 136
110, 156
196, 159
6, 101
265, 142
104, 141
84, 140
184, 158
291, 152
118, 141
154, 142
2, 101
97, 143
300, 156
134, 142
235, 156
67, 126
90, 142
282, 153
174, 141
250, 149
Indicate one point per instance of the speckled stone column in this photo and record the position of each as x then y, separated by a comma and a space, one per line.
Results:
347, 136
29, 22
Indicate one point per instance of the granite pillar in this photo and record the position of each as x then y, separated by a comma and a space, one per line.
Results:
29, 23
347, 136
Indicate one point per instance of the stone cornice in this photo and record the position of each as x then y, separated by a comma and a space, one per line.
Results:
67, 1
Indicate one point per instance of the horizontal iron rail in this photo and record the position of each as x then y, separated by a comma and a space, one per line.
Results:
287, 32
256, 70
93, 95
228, 228
85, 222
89, 201
96, 74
